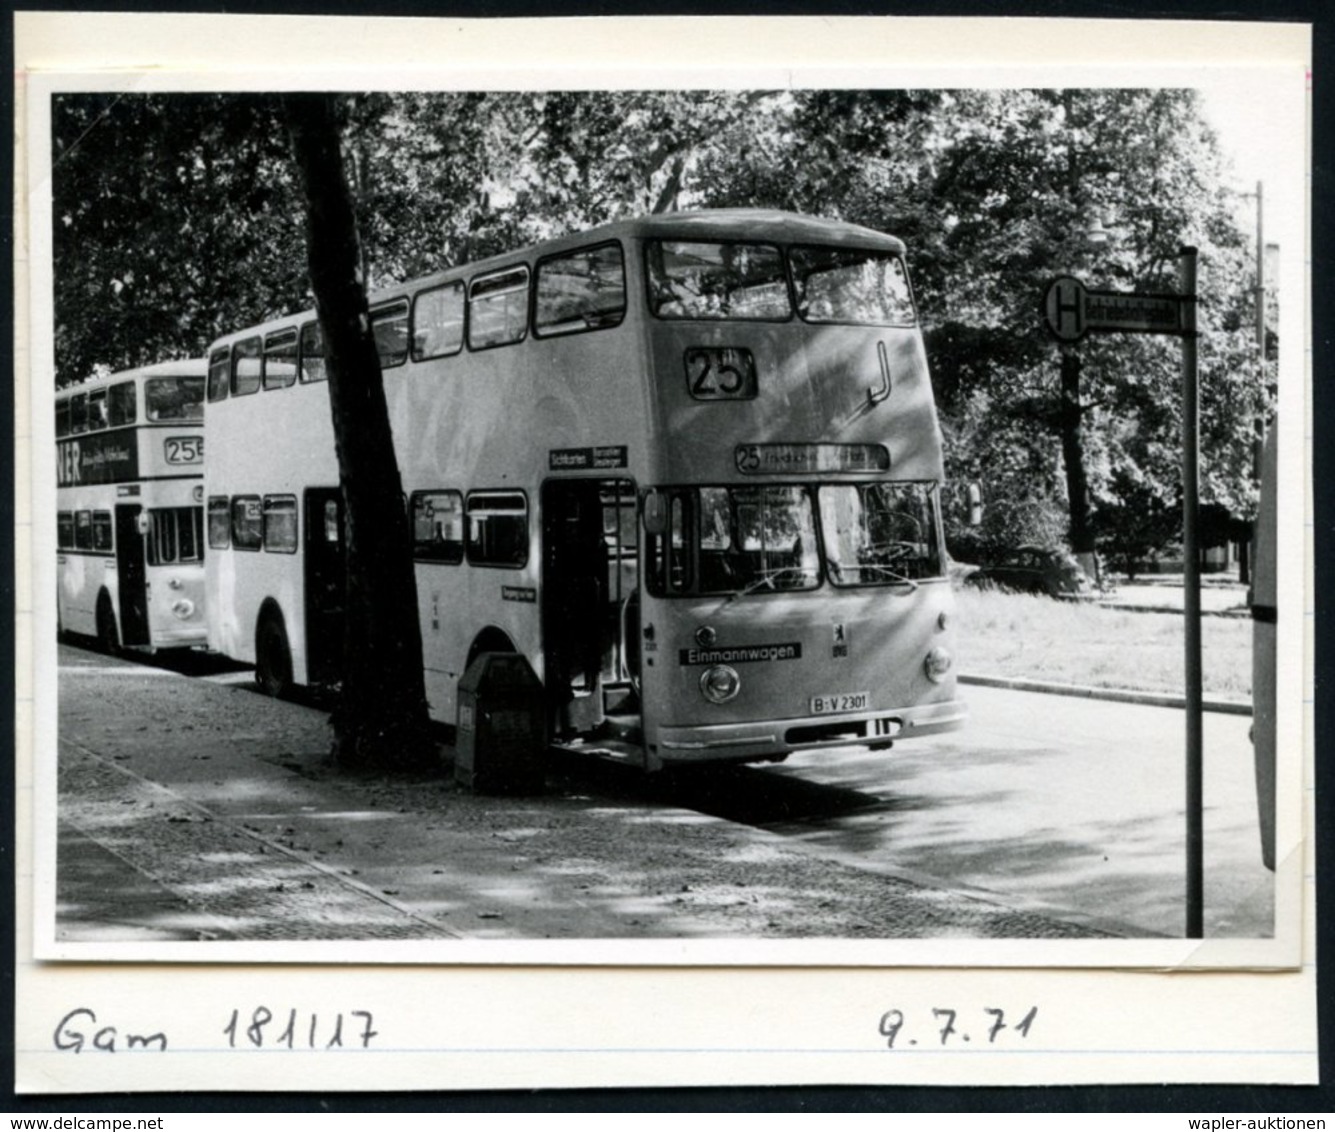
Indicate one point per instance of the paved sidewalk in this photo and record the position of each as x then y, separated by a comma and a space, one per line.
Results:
194, 809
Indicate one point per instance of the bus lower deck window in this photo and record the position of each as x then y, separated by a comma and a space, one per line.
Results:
280, 524
220, 523
247, 522
438, 526
498, 528
102, 531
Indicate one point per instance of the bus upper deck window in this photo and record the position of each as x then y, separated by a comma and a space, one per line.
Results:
174, 398
851, 285
280, 359
220, 370
689, 280
246, 366
389, 325
585, 290
97, 410
498, 308
79, 413
62, 418
121, 404
438, 322
312, 353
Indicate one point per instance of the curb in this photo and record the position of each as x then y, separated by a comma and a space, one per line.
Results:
1118, 695
1126, 607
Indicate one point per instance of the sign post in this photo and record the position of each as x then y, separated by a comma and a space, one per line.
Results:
1072, 310
1191, 564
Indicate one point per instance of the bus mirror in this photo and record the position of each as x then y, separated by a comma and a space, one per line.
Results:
142, 522
975, 495
655, 513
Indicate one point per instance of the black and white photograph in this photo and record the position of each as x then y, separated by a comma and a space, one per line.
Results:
795, 523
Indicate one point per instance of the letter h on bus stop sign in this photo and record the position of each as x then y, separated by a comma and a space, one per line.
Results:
1064, 308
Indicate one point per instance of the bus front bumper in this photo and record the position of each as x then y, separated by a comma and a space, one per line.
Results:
761, 739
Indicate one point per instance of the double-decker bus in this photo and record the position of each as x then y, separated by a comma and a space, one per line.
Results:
130, 513
688, 465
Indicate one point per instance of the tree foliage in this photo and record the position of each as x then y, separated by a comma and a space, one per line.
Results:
175, 219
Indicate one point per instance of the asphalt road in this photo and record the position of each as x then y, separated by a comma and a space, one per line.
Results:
1073, 803
1069, 811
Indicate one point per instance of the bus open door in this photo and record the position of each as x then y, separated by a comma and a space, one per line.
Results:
133, 579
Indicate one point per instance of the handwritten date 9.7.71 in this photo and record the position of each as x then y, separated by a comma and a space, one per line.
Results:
947, 1026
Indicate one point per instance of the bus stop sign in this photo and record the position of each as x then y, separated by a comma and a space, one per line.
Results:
1073, 310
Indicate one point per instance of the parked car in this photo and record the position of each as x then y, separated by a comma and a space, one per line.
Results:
1034, 570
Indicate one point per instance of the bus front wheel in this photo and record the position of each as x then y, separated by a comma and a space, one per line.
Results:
273, 658
108, 638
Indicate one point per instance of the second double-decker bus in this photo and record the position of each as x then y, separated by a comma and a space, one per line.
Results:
688, 465
130, 507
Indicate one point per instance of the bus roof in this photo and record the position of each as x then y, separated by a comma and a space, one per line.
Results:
184, 367
758, 224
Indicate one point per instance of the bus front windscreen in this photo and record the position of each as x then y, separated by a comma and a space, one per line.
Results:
744, 540
851, 286
694, 280
880, 533
174, 398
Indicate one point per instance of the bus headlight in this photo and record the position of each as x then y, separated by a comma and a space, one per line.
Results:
937, 664
720, 683
183, 608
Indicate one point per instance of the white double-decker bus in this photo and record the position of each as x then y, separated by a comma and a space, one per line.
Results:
688, 465
130, 512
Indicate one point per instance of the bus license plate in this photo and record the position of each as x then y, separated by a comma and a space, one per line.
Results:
840, 702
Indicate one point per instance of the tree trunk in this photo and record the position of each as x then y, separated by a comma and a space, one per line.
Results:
381, 716
1073, 458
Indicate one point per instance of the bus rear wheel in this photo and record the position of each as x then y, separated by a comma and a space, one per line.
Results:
273, 658
108, 638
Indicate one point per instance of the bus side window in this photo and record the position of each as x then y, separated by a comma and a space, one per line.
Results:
121, 407
220, 522
498, 308
97, 410
585, 290
389, 325
247, 522
220, 374
438, 322
62, 418
280, 524
246, 366
280, 359
438, 526
79, 413
497, 528
83, 530
312, 353
65, 530
102, 531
